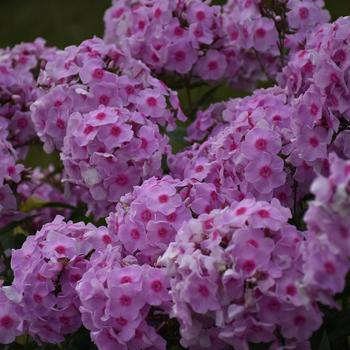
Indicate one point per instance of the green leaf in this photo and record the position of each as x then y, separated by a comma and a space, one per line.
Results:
32, 203
325, 345
8, 228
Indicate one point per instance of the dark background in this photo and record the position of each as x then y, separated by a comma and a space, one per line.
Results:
66, 22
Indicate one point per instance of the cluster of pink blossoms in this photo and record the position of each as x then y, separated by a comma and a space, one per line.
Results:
318, 78
46, 270
236, 277
10, 315
10, 173
18, 69
328, 245
147, 219
106, 113
245, 154
304, 119
121, 300
240, 41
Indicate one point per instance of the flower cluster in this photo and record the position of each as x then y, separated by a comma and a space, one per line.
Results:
83, 78
317, 78
247, 152
235, 278
260, 36
10, 174
147, 219
119, 298
240, 41
46, 270
18, 69
328, 247
108, 151
10, 315
105, 112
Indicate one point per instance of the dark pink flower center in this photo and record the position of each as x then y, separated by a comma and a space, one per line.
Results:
141, 25
125, 279
274, 305
265, 171
121, 180
260, 33
37, 298
22, 123
253, 242
144, 143
116, 130
162, 232
329, 267
60, 123
151, 101
98, 73
125, 300
178, 31
104, 100
163, 198
303, 13
180, 56
261, 144
135, 234
60, 249
213, 65
107, 239
172, 217
11, 170
299, 320
313, 142
57, 103
122, 321
314, 109
157, 13
157, 286
248, 266
200, 15
291, 290
100, 116
88, 129
6, 322
146, 215
241, 211
263, 213
65, 320
203, 291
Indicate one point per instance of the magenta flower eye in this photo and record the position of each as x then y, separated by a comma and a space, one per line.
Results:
265, 171
261, 144
116, 131
203, 291
98, 73
6, 322
248, 266
60, 249
180, 56
303, 13
135, 234
163, 198
125, 300
157, 286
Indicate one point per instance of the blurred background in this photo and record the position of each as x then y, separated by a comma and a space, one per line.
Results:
66, 22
